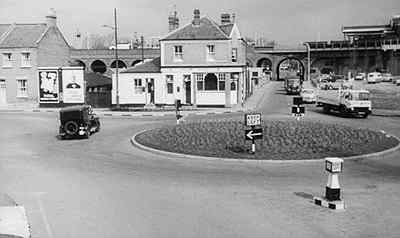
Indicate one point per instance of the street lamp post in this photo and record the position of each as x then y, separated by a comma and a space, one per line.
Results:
116, 56
309, 60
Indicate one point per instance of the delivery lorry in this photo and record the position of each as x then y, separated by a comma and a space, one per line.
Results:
292, 85
345, 101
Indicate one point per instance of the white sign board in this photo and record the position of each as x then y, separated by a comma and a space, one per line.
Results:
73, 86
252, 119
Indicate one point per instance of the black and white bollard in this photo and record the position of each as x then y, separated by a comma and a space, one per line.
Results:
332, 199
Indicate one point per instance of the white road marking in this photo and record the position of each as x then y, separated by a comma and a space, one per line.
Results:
44, 216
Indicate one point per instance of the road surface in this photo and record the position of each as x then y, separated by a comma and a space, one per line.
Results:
105, 187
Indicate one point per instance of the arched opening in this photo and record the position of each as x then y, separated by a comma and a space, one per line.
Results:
135, 62
210, 82
121, 64
265, 63
290, 68
98, 66
79, 63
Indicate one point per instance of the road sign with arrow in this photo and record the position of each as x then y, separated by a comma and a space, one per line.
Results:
253, 134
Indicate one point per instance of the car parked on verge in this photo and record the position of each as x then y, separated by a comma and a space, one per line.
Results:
360, 76
78, 121
387, 77
374, 77
308, 95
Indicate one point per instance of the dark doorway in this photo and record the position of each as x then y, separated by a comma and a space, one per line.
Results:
188, 92
150, 89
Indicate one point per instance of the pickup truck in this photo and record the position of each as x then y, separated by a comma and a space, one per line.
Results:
345, 101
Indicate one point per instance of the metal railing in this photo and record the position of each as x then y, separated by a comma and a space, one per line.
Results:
360, 44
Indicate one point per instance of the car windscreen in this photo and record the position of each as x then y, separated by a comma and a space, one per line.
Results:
363, 96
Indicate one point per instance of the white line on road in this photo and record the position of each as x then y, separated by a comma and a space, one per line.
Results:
44, 217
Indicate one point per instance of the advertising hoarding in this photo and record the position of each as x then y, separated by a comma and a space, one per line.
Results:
48, 86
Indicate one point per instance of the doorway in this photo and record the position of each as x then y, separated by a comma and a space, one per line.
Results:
150, 90
3, 92
188, 91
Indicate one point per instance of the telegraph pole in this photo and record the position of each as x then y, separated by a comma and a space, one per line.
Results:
116, 56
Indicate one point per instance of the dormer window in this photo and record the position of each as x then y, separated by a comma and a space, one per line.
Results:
7, 60
26, 59
178, 52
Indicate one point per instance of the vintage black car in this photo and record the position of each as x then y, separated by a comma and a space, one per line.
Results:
78, 121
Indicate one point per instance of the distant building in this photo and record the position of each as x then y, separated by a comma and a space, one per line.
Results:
202, 63
24, 48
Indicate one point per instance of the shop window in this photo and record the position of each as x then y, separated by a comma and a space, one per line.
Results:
210, 82
200, 82
7, 60
221, 81
25, 59
170, 84
22, 90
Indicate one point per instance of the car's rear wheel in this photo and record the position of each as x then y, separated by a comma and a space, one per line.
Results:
71, 127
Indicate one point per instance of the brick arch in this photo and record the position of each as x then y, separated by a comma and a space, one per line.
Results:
290, 57
121, 64
98, 66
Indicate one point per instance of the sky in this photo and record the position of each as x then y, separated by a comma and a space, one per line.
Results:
285, 21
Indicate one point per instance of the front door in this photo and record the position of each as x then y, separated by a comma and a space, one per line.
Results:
188, 92
3, 94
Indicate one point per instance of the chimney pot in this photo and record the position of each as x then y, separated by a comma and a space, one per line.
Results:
196, 17
51, 18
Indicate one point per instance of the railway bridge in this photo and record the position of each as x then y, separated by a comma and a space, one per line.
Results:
103, 61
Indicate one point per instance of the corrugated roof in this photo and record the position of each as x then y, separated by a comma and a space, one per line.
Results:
207, 30
23, 36
153, 66
227, 28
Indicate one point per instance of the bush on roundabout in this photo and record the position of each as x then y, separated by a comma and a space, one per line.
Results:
283, 140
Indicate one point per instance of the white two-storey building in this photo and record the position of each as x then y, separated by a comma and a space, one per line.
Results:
202, 63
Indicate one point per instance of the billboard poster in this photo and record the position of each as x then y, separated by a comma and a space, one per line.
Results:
48, 86
73, 85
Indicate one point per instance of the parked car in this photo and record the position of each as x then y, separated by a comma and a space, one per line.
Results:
78, 121
308, 95
360, 76
387, 77
397, 81
374, 77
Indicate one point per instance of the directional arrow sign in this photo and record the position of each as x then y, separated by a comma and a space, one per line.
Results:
253, 134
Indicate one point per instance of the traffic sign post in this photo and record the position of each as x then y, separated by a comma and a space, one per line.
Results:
298, 110
253, 120
178, 106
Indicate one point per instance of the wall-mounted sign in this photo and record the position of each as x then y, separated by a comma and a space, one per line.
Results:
48, 86
73, 86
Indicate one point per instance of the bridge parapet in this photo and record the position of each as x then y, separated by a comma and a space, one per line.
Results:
99, 54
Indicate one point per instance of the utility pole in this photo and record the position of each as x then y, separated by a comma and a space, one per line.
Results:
309, 60
142, 42
116, 56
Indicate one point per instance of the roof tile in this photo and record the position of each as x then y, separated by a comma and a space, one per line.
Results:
153, 66
207, 30
23, 35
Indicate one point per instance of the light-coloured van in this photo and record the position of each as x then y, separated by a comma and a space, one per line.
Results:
374, 77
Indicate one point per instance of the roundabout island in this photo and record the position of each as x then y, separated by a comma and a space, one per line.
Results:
283, 140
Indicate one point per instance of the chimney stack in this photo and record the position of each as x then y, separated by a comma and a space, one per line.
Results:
225, 18
173, 21
51, 18
196, 17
